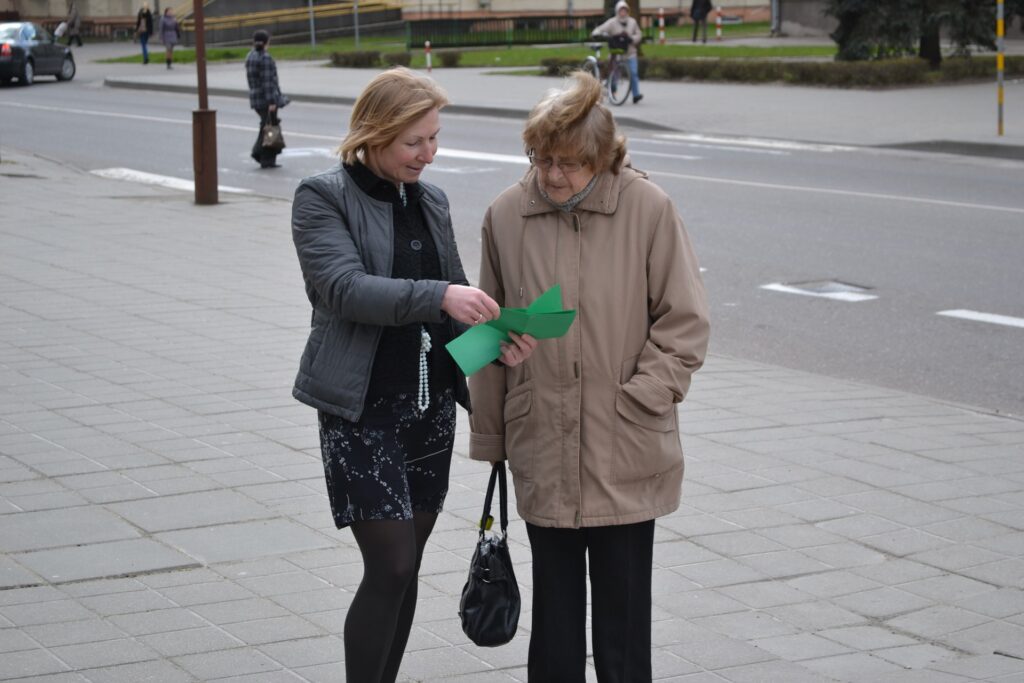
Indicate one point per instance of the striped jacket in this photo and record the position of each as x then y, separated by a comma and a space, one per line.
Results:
264, 90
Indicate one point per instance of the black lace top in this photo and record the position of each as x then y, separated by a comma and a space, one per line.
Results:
396, 365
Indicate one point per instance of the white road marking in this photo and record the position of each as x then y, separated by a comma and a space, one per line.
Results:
296, 152
642, 153
756, 142
131, 175
841, 193
977, 316
717, 148
483, 156
849, 297
462, 170
163, 119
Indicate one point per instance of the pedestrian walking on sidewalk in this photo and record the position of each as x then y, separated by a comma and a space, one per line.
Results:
170, 34
622, 32
383, 274
699, 11
264, 94
74, 22
588, 423
144, 29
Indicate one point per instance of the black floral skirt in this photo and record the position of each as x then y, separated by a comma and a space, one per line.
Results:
391, 463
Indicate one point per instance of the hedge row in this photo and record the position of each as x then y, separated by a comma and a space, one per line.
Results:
892, 72
372, 59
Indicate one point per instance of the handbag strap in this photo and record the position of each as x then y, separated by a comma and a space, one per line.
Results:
497, 475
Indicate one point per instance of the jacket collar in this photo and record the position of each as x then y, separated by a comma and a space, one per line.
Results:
604, 198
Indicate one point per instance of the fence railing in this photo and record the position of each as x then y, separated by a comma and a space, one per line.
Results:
531, 30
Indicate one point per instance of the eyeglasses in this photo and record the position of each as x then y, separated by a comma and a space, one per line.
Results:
545, 164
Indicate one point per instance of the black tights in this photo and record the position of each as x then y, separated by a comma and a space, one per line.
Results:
380, 616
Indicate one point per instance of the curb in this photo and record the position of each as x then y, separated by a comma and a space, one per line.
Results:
505, 113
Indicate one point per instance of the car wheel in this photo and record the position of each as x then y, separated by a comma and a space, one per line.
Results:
28, 73
67, 69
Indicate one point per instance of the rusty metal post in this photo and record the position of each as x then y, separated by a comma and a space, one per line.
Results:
204, 122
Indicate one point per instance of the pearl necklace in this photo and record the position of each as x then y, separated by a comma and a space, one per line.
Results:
423, 395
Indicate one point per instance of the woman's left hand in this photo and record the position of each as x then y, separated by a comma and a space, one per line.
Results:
514, 353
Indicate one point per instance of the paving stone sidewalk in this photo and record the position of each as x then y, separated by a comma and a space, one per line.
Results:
163, 515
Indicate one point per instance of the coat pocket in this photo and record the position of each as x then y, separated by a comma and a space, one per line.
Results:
519, 433
646, 445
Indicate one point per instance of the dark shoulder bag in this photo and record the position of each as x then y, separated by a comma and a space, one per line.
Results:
490, 602
272, 138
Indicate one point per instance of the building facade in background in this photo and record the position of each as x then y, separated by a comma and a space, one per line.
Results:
749, 10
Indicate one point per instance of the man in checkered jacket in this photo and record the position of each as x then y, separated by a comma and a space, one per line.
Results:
264, 93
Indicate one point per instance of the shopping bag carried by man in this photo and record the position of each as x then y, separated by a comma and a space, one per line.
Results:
272, 138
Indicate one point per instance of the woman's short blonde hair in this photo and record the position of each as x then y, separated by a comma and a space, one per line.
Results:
392, 101
572, 122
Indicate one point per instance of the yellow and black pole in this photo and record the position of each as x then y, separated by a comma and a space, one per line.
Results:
1000, 57
204, 123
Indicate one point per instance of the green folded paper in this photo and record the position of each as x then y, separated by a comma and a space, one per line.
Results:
543, 319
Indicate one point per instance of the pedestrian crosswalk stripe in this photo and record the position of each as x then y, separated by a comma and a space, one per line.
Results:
980, 317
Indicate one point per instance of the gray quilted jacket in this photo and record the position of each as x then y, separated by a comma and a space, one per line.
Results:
343, 238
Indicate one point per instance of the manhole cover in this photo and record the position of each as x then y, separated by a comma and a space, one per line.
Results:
826, 289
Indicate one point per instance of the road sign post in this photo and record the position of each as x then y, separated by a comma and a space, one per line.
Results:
312, 28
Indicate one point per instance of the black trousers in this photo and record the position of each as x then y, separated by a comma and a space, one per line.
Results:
265, 157
621, 562
700, 23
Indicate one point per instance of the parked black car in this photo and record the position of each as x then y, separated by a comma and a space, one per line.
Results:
28, 50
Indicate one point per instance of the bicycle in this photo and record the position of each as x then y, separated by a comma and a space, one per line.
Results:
617, 81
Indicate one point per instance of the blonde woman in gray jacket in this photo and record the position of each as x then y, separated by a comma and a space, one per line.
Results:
385, 281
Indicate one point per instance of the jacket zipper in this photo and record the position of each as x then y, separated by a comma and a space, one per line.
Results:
576, 371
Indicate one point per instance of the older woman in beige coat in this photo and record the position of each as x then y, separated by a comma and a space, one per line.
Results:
588, 422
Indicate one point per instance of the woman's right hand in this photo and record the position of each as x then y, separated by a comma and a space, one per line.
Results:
469, 305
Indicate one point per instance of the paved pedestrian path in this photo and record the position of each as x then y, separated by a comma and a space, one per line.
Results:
163, 515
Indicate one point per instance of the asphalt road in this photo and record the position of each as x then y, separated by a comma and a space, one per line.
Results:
921, 233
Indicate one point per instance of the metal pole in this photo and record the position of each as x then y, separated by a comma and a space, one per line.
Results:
204, 123
312, 28
776, 18
356, 18
1001, 57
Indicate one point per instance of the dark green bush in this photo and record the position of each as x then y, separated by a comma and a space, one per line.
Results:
366, 59
864, 74
559, 66
398, 58
449, 58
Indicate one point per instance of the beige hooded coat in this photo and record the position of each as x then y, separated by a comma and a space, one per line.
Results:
588, 423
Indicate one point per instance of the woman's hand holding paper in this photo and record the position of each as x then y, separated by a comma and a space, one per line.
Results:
518, 350
469, 305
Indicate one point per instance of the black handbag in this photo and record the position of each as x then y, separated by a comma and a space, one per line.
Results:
490, 602
619, 42
272, 139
